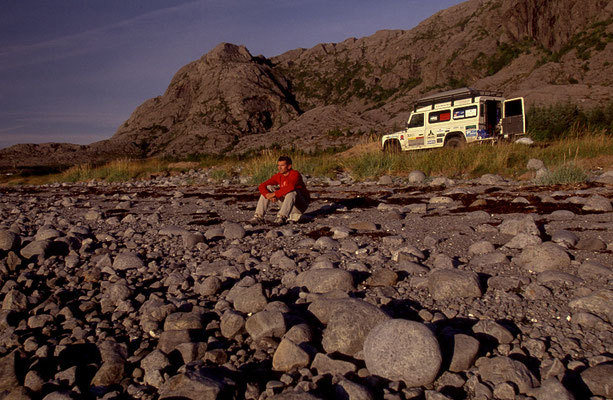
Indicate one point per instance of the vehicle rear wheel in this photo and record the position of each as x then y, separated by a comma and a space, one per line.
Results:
455, 141
392, 147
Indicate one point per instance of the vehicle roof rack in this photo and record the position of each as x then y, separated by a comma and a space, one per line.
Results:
452, 95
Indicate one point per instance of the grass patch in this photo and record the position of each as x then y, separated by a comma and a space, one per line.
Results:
219, 174
115, 171
588, 150
563, 174
506, 159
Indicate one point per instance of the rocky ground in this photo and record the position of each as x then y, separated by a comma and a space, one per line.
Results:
396, 289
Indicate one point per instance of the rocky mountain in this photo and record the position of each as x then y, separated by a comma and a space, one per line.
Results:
230, 101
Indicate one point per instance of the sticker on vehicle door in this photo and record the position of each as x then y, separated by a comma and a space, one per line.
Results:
471, 130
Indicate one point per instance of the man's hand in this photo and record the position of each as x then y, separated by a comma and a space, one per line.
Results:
271, 197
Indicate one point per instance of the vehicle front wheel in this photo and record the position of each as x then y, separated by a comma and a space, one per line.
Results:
392, 147
455, 141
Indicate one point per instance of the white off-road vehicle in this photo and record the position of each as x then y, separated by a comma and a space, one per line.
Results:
457, 117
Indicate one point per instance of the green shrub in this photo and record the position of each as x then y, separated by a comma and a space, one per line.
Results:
219, 174
561, 119
564, 174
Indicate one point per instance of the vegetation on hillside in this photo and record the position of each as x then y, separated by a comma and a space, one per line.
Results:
563, 119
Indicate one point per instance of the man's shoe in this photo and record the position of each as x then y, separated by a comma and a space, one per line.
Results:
256, 220
279, 221
294, 219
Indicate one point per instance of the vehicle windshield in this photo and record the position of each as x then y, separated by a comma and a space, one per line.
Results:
417, 120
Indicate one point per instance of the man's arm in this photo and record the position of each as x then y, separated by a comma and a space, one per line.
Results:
263, 188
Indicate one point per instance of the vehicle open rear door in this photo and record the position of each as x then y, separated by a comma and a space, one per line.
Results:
513, 117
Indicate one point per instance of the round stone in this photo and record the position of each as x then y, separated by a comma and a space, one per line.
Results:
404, 350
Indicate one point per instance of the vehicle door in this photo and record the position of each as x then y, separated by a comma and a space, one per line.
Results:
415, 130
513, 117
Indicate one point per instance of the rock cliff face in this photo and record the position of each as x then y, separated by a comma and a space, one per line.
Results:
212, 103
229, 101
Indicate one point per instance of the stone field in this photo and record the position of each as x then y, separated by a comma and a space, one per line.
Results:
413, 288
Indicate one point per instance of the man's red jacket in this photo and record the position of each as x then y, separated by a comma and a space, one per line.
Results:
293, 181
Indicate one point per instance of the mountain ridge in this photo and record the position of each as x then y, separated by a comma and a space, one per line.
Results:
231, 102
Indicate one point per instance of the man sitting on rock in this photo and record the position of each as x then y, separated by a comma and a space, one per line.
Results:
291, 191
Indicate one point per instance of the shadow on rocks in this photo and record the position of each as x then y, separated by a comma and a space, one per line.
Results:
359, 276
573, 382
403, 308
540, 225
482, 278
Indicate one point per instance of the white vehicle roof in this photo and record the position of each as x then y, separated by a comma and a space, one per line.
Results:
453, 95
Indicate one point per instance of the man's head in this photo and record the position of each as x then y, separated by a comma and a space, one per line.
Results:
284, 164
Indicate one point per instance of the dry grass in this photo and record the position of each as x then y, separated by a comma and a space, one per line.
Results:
586, 152
507, 159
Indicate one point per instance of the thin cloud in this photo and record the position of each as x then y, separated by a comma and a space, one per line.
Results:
11, 128
84, 42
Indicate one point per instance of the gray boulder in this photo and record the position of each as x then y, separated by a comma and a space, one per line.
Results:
289, 356
125, 261
599, 302
551, 389
503, 369
231, 324
489, 260
453, 283
491, 179
543, 257
15, 301
9, 240
598, 203
173, 230
152, 365
294, 395
595, 270
592, 244
169, 340
324, 364
493, 329
183, 320
565, 238
348, 325
265, 324
523, 240
347, 389
599, 379
248, 299
232, 230
36, 248
209, 287
515, 226
195, 385
8, 377
482, 247
325, 280
404, 350
417, 177
535, 164
465, 349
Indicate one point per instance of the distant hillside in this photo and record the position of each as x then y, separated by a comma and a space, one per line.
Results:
229, 101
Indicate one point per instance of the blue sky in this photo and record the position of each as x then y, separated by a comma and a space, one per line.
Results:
74, 70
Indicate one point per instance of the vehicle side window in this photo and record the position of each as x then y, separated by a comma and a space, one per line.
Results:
417, 120
465, 112
439, 116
